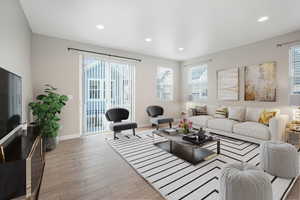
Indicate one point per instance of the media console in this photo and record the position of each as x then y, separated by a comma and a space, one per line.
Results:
22, 164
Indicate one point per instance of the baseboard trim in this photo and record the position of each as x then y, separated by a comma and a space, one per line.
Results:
68, 137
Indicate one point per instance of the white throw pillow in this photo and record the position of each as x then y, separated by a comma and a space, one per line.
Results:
211, 109
253, 114
236, 113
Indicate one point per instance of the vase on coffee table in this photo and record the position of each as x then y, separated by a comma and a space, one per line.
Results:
185, 125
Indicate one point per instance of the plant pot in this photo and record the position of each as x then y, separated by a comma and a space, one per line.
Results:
50, 143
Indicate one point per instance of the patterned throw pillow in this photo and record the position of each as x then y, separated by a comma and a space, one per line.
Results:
265, 117
221, 112
199, 110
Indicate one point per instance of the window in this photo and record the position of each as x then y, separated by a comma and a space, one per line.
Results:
197, 81
164, 84
107, 84
295, 70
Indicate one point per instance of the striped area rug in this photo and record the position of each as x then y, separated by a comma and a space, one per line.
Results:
177, 179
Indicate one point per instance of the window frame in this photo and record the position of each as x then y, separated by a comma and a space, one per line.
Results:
172, 84
192, 82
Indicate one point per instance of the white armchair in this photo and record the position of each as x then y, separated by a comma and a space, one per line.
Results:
277, 127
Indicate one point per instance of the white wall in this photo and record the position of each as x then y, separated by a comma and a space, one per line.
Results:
53, 64
15, 47
247, 55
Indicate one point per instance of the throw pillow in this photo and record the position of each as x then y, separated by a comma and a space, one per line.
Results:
265, 117
236, 113
221, 112
253, 114
201, 110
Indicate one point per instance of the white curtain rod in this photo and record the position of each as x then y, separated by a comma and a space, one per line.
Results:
287, 43
104, 54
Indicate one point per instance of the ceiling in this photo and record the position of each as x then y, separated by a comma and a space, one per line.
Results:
198, 26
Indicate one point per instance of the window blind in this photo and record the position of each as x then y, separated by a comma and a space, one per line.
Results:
295, 70
107, 84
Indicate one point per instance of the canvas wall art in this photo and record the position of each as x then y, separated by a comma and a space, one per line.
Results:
228, 84
260, 82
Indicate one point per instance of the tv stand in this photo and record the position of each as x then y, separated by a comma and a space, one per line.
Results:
22, 170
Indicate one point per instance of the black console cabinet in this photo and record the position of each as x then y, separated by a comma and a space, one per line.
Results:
22, 171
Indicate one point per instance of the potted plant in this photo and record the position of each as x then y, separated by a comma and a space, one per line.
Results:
46, 110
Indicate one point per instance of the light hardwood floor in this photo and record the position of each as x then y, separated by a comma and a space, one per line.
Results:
87, 168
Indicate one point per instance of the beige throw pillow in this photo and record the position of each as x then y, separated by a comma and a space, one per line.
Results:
236, 113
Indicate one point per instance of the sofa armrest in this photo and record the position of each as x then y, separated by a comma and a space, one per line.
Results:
277, 127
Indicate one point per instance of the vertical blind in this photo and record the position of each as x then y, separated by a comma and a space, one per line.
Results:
295, 69
107, 84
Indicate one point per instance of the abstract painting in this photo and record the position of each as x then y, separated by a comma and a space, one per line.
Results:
228, 84
260, 82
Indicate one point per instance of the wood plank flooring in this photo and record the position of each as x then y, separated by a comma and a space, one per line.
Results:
88, 168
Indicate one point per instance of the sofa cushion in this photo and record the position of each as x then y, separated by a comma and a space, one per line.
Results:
121, 126
211, 110
253, 114
236, 113
200, 120
221, 124
252, 129
161, 120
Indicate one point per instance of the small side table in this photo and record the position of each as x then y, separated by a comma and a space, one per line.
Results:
293, 137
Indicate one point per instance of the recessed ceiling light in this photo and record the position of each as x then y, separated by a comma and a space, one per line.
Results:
100, 27
263, 19
180, 49
148, 39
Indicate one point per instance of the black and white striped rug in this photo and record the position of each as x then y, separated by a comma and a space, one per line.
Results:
177, 179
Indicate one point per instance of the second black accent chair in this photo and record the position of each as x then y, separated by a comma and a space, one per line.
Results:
156, 116
116, 115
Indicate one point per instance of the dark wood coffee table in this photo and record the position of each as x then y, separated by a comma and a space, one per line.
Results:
192, 153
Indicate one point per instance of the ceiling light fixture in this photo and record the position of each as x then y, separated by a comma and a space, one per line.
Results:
100, 27
263, 19
148, 39
180, 49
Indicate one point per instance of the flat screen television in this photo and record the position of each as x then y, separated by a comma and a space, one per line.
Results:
10, 101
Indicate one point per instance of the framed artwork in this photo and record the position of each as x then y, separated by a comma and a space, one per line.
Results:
228, 84
260, 82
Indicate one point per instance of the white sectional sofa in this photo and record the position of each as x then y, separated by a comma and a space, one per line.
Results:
248, 129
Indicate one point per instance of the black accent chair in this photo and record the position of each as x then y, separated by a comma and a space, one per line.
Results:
116, 115
156, 116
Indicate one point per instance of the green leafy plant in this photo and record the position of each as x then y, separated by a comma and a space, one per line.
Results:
46, 110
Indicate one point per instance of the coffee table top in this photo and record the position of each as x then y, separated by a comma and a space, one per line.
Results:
177, 137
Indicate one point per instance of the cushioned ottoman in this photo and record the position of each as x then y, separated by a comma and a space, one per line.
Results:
279, 159
244, 182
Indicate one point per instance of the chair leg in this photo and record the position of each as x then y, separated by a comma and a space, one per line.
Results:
157, 126
170, 124
133, 131
115, 137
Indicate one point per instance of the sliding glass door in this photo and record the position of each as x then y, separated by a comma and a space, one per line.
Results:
107, 84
